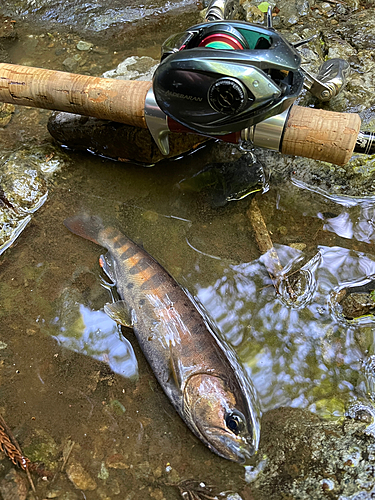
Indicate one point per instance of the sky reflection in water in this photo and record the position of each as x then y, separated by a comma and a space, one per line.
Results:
357, 222
101, 338
303, 356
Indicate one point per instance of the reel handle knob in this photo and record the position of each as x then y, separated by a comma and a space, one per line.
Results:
331, 79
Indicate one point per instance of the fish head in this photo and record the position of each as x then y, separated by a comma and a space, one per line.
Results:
221, 417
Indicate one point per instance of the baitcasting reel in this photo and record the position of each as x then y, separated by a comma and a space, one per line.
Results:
224, 77
221, 77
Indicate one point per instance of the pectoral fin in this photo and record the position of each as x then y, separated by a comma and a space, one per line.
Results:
106, 263
120, 312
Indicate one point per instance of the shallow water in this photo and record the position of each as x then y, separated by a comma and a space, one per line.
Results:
68, 373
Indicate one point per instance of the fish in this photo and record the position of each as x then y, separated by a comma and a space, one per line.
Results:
200, 375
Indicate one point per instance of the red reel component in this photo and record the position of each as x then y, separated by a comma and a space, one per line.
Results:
221, 41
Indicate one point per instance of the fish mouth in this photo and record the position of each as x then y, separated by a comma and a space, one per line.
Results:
223, 444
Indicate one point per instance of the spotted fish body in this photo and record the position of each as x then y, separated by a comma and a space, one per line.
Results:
201, 377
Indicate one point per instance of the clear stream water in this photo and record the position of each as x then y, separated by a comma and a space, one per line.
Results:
68, 374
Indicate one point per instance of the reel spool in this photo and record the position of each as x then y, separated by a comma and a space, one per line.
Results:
227, 38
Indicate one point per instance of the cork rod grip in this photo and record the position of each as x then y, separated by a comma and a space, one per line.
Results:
321, 135
117, 100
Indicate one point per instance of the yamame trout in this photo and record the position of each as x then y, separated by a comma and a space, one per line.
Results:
202, 377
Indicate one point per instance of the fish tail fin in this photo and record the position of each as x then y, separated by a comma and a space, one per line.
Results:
86, 226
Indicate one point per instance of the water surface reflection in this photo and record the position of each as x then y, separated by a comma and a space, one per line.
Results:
305, 357
98, 336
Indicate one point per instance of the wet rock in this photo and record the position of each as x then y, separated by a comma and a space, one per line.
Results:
6, 113
355, 305
7, 28
354, 302
115, 140
4, 56
291, 12
40, 447
363, 412
105, 19
8, 34
24, 187
286, 13
307, 458
229, 181
81, 45
53, 493
157, 494
118, 461
70, 64
134, 68
359, 30
14, 486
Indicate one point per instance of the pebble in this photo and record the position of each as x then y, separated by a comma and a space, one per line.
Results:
117, 461
81, 45
6, 113
53, 493
80, 477
70, 63
298, 246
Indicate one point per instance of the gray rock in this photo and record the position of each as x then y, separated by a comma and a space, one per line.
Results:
70, 64
81, 45
101, 19
307, 458
13, 486
80, 477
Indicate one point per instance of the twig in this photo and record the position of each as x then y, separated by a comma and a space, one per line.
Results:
67, 455
265, 245
9, 445
4, 200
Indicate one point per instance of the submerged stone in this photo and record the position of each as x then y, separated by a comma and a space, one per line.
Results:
42, 448
117, 140
229, 181
81, 45
80, 477
24, 178
6, 113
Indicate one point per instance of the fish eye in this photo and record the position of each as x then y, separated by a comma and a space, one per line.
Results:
235, 422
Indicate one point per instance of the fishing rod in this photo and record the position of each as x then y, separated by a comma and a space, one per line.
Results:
224, 79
